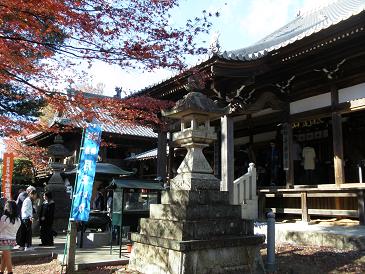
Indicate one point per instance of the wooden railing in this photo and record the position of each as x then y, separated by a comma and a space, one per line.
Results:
244, 194
326, 200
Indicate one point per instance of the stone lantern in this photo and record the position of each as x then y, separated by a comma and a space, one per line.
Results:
195, 229
195, 111
57, 153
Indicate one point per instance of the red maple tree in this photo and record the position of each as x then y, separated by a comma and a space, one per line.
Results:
39, 40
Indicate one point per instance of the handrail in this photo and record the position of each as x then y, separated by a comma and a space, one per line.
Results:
244, 193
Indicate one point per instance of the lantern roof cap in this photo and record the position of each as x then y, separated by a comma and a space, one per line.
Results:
195, 103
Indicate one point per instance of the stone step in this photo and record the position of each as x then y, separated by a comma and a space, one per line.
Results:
223, 241
194, 230
185, 197
195, 212
210, 257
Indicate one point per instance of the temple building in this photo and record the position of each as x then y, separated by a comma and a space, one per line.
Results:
295, 104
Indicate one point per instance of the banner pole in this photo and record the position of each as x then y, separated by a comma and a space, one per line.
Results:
66, 249
80, 207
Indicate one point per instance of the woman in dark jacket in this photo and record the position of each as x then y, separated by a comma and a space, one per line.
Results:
46, 220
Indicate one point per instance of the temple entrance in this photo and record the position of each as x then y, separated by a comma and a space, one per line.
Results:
354, 146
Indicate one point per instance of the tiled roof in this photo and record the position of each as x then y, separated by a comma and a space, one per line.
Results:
106, 168
109, 124
150, 154
302, 26
118, 128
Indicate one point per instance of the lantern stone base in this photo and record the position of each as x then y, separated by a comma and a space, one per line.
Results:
226, 255
196, 232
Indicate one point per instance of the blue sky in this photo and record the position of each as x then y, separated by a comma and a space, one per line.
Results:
241, 23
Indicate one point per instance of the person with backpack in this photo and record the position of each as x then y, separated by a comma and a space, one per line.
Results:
9, 225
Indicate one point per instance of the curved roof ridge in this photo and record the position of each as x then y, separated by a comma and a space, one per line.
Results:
302, 26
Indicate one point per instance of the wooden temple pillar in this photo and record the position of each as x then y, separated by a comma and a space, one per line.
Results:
227, 155
170, 160
288, 163
250, 135
338, 159
162, 155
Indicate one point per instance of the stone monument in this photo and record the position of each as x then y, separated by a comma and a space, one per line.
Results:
57, 153
195, 229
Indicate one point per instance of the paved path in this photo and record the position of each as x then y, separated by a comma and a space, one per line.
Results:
85, 257
340, 237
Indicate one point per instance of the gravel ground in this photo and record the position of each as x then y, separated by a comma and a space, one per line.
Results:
290, 259
44, 266
309, 259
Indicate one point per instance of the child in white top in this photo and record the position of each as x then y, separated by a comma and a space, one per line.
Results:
9, 225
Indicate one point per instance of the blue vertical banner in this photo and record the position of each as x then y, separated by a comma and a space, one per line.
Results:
86, 173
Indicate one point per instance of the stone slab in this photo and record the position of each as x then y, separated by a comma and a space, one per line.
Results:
218, 242
195, 212
223, 260
194, 230
340, 237
184, 197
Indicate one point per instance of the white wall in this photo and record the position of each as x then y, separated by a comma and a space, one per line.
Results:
314, 102
324, 100
261, 137
351, 93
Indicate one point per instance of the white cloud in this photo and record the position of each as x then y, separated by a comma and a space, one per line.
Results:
113, 76
309, 5
264, 17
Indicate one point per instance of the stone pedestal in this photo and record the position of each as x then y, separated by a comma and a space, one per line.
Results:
196, 232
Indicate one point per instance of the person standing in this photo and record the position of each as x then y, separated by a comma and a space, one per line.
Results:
309, 157
22, 195
2, 203
273, 164
46, 219
109, 203
9, 225
297, 158
98, 203
25, 241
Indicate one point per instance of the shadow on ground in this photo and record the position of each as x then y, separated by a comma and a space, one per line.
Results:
309, 259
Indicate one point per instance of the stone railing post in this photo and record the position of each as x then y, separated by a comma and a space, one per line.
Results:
270, 262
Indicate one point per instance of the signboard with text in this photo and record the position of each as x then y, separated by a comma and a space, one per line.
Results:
86, 173
8, 165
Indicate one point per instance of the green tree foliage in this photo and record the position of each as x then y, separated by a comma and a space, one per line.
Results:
17, 106
23, 172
